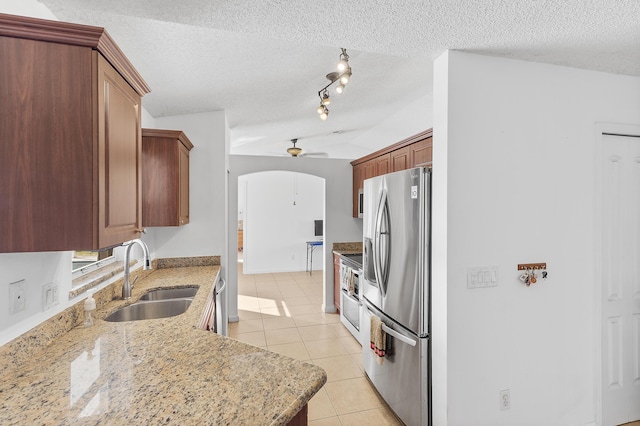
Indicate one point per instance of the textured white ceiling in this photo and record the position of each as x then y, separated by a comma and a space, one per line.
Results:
263, 62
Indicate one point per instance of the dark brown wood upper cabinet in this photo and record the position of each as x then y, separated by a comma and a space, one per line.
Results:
400, 159
165, 177
70, 138
421, 153
411, 152
383, 164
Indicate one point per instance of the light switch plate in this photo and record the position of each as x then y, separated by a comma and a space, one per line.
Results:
49, 295
482, 276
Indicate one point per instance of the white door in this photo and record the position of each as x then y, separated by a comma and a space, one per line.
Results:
620, 280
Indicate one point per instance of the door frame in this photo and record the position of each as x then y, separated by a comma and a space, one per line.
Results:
602, 129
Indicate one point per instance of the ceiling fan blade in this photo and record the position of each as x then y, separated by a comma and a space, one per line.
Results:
314, 154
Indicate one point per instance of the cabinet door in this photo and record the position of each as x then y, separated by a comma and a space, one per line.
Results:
383, 164
160, 190
369, 169
165, 177
184, 184
421, 152
46, 147
400, 159
119, 157
336, 281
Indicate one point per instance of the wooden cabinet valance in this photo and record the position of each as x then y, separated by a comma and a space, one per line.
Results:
411, 152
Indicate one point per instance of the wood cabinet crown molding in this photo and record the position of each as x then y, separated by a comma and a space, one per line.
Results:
76, 35
405, 142
169, 134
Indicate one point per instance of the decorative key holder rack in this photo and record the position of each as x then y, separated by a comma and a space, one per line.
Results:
532, 271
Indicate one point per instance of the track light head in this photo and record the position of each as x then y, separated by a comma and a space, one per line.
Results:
324, 114
326, 100
343, 63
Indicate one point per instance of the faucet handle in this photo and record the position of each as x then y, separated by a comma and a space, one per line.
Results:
134, 281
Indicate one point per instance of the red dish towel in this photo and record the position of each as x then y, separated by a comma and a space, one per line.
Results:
378, 339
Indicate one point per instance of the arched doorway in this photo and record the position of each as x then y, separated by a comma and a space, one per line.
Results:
339, 225
276, 215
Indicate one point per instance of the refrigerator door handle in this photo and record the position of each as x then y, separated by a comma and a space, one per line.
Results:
398, 336
382, 269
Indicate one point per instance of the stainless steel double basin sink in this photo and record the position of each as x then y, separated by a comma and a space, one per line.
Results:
161, 303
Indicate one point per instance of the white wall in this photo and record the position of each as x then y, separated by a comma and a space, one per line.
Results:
410, 120
515, 154
279, 219
205, 233
339, 226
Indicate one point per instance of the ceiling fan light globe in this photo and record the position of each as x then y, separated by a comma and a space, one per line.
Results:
294, 151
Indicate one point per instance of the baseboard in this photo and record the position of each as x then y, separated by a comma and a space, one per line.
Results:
278, 270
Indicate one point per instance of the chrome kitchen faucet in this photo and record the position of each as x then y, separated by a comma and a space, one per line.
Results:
128, 285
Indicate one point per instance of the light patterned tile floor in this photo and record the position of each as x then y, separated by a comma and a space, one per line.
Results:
282, 312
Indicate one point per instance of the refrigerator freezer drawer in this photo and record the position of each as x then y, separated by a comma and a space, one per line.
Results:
402, 379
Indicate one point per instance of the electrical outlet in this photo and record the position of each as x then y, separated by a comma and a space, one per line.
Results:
49, 295
505, 399
17, 296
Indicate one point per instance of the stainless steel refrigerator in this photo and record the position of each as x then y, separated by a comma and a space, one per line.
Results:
396, 289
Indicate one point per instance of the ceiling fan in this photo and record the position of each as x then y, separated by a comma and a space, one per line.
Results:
295, 151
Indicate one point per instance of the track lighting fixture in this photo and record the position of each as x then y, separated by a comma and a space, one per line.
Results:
342, 76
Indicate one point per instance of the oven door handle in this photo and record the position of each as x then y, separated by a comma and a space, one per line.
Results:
391, 332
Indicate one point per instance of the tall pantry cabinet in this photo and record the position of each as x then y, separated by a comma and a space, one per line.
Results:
71, 143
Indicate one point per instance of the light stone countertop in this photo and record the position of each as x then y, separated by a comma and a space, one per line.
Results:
347, 248
161, 371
